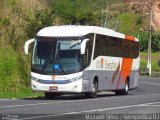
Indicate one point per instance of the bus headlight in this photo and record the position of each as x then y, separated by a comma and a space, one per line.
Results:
74, 79
34, 79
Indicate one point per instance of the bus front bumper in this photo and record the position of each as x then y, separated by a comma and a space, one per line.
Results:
73, 87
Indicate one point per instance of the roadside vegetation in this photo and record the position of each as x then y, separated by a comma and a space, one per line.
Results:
21, 20
155, 63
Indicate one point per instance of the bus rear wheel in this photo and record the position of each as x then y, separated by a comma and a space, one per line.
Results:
93, 94
49, 95
124, 91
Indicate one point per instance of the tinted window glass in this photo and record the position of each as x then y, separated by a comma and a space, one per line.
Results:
116, 47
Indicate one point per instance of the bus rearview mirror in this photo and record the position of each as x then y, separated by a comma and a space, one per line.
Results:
26, 46
83, 46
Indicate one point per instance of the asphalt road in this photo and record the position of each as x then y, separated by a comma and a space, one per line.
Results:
142, 101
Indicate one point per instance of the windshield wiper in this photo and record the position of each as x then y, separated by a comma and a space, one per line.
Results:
75, 43
62, 69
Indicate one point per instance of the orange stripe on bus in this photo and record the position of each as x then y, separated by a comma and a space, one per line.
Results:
126, 68
127, 37
126, 65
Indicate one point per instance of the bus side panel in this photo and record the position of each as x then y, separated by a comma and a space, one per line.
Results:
112, 72
86, 81
135, 73
107, 69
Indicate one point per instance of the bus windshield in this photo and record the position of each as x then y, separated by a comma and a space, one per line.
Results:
56, 55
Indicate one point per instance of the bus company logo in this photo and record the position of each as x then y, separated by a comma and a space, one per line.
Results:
100, 64
110, 65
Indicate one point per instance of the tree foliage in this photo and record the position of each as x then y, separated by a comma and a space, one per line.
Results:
155, 41
76, 12
41, 19
129, 23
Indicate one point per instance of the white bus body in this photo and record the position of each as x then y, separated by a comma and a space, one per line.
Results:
83, 59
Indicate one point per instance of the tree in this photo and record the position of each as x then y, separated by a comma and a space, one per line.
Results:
155, 43
75, 11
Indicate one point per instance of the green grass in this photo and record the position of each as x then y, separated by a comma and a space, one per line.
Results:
22, 92
155, 57
12, 85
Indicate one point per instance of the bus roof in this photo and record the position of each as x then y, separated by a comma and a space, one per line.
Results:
76, 31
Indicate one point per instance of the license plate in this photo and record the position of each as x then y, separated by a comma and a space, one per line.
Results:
53, 88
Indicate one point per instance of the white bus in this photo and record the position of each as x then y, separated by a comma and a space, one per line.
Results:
83, 59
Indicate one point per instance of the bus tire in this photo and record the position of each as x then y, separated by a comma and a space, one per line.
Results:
49, 95
124, 91
126, 88
93, 94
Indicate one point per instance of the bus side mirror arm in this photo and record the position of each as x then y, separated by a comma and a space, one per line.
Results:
26, 46
83, 46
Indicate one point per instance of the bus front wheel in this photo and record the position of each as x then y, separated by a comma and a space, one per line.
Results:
93, 93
